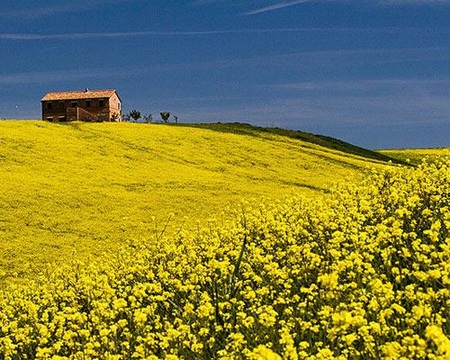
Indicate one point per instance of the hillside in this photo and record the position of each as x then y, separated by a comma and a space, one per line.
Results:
415, 156
323, 141
78, 190
362, 273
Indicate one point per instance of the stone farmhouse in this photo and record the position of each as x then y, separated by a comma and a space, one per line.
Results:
86, 105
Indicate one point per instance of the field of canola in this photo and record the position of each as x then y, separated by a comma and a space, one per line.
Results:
76, 191
415, 156
363, 273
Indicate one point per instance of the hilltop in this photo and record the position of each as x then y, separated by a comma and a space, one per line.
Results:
77, 190
322, 140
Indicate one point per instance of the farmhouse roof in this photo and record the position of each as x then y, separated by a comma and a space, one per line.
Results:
75, 95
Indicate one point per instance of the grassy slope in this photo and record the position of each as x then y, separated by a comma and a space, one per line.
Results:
77, 190
323, 141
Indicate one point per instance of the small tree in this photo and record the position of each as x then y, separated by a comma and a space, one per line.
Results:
135, 115
148, 118
165, 115
176, 119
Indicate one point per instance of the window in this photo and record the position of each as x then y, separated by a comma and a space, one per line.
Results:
88, 103
74, 104
49, 118
61, 105
101, 103
49, 106
118, 106
61, 118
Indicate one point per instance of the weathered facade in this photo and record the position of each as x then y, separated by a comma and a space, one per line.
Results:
87, 105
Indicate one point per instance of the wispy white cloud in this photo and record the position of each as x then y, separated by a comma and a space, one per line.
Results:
367, 85
380, 102
67, 75
93, 35
332, 110
276, 6
308, 60
412, 2
205, 2
41, 11
129, 34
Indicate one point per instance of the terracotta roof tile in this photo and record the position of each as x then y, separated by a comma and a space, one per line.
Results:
75, 95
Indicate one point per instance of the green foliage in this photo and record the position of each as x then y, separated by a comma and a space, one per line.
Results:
135, 115
165, 115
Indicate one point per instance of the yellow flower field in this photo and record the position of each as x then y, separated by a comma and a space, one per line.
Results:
415, 156
78, 190
363, 273
276, 248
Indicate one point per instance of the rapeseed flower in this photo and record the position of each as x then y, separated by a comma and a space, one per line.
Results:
363, 273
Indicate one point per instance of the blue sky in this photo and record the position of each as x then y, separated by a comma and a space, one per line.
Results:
375, 73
